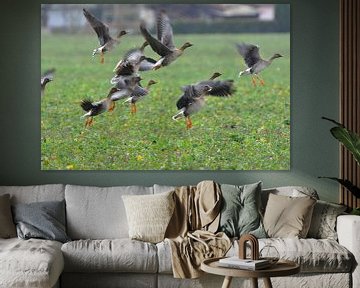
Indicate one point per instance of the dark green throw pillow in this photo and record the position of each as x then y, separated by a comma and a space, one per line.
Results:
240, 213
43, 220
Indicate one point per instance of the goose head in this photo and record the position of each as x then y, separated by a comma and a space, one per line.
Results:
276, 55
205, 89
122, 33
151, 82
215, 75
186, 45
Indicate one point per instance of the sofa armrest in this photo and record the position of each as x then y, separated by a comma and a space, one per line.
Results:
348, 230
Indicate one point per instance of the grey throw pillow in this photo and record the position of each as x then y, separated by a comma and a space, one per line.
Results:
240, 213
7, 226
323, 222
44, 220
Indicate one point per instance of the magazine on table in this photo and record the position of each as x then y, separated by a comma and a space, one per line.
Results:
249, 264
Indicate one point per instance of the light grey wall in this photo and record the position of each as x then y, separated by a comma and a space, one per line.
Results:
314, 93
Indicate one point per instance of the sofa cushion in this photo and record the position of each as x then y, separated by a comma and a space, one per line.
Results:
164, 257
323, 222
35, 193
30, 263
287, 216
291, 191
313, 255
116, 255
149, 215
240, 210
43, 220
98, 213
7, 226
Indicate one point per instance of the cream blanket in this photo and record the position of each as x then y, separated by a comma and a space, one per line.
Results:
191, 231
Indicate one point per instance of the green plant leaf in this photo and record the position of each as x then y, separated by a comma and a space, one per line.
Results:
347, 184
355, 211
348, 138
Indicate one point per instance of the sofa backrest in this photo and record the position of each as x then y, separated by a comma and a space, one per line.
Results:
98, 212
162, 188
35, 193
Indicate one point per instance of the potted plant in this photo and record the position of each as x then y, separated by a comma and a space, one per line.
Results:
351, 141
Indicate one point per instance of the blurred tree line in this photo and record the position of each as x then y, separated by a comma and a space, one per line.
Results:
185, 18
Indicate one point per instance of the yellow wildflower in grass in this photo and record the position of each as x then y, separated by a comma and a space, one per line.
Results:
139, 158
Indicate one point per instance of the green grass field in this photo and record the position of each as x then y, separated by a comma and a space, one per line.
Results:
248, 131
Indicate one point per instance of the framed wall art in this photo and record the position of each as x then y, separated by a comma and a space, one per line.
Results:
165, 86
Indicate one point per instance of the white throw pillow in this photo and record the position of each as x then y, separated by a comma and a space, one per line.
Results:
149, 215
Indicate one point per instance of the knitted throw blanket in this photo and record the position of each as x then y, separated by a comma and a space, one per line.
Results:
191, 232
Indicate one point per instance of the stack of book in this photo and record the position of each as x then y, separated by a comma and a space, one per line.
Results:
248, 264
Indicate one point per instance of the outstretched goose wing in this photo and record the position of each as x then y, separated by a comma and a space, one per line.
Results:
219, 88
101, 29
164, 30
155, 44
249, 52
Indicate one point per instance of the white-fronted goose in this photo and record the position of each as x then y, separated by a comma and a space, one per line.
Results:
193, 98
94, 109
254, 62
139, 93
107, 43
133, 61
164, 45
123, 88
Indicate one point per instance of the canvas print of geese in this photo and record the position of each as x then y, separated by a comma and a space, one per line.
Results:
183, 87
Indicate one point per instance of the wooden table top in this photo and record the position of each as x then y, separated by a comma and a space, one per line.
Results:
281, 268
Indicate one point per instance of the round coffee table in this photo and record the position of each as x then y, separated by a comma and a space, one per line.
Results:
281, 268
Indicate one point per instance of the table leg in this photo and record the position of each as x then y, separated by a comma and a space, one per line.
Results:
267, 283
254, 282
227, 282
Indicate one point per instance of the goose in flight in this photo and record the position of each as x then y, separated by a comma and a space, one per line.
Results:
138, 94
164, 44
94, 108
254, 62
133, 61
107, 43
193, 98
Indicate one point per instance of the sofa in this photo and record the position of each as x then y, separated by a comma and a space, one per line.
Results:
99, 252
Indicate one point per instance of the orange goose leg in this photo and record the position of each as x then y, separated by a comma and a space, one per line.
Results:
89, 122
112, 106
133, 108
253, 80
102, 59
188, 122
262, 82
